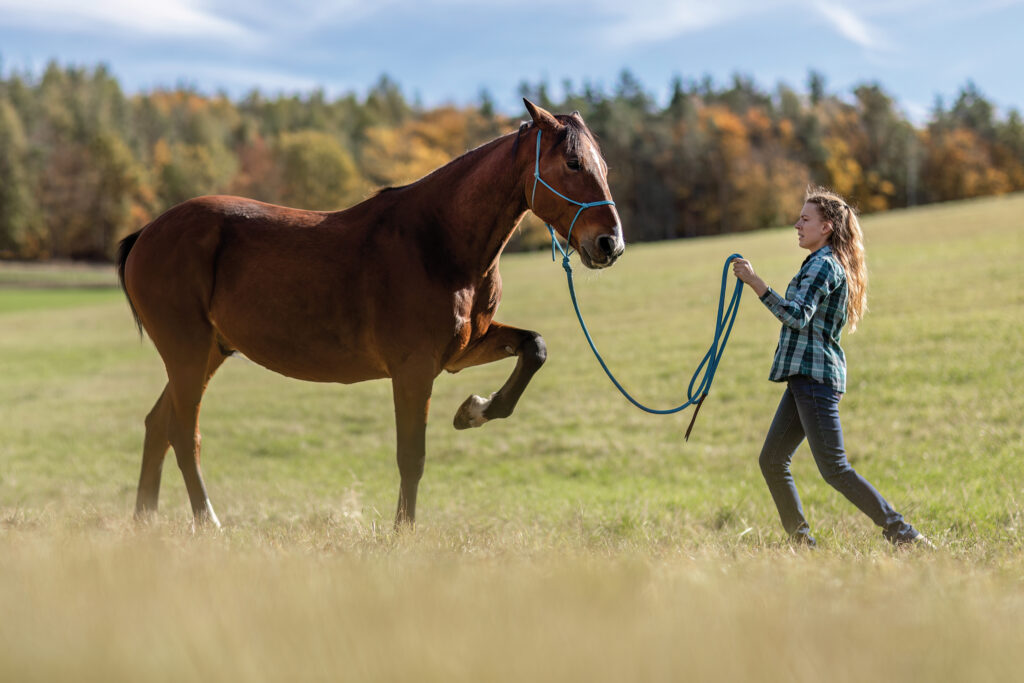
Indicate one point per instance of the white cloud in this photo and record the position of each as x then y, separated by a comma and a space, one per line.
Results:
236, 80
299, 16
636, 22
849, 25
641, 21
175, 18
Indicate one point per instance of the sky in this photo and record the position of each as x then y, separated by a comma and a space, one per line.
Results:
448, 51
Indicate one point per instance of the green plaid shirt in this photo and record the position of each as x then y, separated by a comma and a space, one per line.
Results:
812, 314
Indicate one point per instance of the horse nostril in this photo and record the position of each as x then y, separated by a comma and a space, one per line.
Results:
607, 244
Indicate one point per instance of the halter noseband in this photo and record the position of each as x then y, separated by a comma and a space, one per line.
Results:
582, 205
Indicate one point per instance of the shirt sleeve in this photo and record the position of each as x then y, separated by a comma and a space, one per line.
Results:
820, 278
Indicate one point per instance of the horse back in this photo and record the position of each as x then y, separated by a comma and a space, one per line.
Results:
319, 296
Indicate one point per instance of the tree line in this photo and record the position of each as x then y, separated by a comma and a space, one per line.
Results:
82, 163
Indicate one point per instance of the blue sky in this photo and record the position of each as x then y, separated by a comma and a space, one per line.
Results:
448, 50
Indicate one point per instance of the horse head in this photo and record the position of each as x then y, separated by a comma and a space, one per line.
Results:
568, 189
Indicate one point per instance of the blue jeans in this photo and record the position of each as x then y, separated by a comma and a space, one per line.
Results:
811, 409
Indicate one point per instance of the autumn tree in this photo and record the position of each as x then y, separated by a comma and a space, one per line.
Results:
315, 170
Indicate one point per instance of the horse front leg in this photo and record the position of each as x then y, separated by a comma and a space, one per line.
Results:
500, 341
412, 406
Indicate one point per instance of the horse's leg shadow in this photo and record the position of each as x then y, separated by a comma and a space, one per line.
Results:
500, 341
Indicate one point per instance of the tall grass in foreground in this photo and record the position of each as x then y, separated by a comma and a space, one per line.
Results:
578, 540
456, 606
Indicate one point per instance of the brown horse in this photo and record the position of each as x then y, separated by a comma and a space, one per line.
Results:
401, 286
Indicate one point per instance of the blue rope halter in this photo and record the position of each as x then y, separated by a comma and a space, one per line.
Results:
582, 205
723, 323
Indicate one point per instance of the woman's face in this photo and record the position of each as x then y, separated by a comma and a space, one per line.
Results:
812, 229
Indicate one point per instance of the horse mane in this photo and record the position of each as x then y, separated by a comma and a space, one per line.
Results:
448, 166
574, 132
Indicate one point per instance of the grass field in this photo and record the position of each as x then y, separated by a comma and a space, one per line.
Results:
578, 540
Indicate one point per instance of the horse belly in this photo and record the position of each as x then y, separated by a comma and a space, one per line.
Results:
294, 351
301, 331
347, 369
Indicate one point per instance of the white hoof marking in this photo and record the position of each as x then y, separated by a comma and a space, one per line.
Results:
475, 410
212, 514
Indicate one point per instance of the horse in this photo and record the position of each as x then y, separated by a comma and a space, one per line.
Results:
401, 286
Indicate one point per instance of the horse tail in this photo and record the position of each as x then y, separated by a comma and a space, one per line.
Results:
123, 249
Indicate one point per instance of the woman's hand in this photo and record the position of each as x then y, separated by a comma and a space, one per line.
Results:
742, 269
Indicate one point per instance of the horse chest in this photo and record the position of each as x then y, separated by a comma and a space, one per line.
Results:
474, 310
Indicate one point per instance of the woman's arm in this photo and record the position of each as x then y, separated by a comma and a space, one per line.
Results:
814, 286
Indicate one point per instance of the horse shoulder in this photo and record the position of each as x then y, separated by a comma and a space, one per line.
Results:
475, 309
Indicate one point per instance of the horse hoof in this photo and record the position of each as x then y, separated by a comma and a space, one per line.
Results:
145, 517
206, 519
471, 412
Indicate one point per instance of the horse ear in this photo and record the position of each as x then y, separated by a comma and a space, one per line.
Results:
542, 117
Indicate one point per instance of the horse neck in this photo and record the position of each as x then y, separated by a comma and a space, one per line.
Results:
480, 199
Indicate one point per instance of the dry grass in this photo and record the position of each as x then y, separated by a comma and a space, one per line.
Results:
333, 600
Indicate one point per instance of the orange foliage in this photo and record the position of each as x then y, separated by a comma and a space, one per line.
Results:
959, 166
844, 173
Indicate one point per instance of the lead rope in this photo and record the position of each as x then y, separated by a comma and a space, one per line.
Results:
723, 323
709, 363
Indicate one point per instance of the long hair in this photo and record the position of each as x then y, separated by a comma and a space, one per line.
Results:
847, 242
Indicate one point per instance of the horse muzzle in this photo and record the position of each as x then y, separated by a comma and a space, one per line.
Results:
602, 251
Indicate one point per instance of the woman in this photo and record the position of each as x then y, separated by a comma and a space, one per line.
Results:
829, 291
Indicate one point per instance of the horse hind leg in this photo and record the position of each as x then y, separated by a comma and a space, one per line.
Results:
180, 404
154, 449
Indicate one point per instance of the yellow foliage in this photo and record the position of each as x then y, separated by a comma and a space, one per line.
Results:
161, 153
959, 166
396, 156
758, 123
729, 129
786, 131
844, 173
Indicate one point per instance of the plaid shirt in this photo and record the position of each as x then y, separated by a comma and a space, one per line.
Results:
812, 315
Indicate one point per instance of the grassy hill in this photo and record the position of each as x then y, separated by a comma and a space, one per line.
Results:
580, 538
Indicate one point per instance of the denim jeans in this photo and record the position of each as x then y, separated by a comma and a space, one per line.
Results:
811, 409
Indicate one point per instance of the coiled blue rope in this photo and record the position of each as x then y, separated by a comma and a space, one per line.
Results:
696, 391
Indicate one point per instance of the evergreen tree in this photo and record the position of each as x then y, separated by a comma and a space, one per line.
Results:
19, 217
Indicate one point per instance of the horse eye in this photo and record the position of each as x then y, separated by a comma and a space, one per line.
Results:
573, 164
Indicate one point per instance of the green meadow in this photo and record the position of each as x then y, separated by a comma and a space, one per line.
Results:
580, 539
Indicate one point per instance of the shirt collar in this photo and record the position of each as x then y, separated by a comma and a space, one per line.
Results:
818, 253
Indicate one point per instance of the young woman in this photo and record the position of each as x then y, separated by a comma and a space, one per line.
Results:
829, 291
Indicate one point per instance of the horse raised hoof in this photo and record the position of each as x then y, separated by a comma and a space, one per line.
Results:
471, 412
